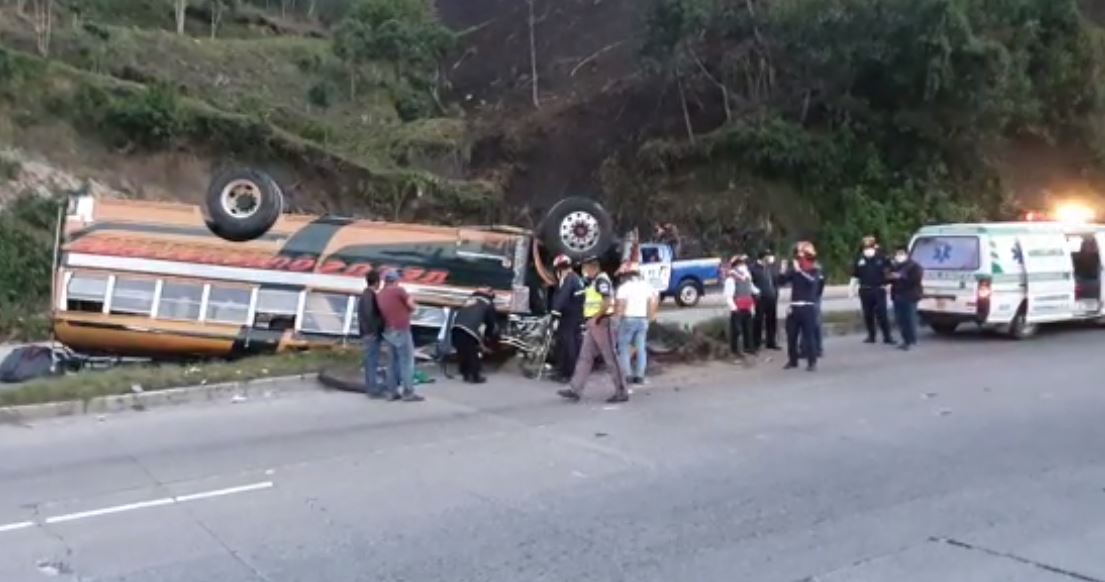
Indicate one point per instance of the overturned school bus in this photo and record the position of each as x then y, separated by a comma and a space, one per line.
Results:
237, 275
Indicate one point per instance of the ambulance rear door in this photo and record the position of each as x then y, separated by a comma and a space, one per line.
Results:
1048, 277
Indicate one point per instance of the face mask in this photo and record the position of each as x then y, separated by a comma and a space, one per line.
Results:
770, 259
868, 253
900, 259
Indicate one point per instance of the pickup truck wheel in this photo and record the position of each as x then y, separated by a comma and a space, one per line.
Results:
577, 227
688, 294
242, 204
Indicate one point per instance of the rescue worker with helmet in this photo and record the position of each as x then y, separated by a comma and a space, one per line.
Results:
869, 275
567, 308
807, 282
598, 337
475, 321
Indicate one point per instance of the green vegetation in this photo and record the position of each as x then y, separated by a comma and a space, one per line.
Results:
119, 380
402, 33
878, 115
26, 246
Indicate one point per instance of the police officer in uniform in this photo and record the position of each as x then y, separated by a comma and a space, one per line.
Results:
870, 276
475, 322
806, 284
598, 336
567, 308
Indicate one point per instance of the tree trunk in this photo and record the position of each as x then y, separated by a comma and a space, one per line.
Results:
533, 57
43, 18
181, 11
686, 112
216, 17
21, 7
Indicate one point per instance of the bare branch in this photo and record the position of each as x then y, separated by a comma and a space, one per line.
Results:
720, 85
686, 112
594, 56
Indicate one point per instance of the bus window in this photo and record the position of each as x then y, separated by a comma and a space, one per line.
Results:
276, 309
86, 293
228, 304
325, 313
132, 296
354, 319
180, 301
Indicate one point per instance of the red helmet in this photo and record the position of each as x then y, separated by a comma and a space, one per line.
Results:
562, 260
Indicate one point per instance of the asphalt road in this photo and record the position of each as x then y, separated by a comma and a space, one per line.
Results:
971, 459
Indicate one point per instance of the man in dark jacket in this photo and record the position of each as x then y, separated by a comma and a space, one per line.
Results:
806, 285
869, 274
765, 276
371, 325
475, 322
568, 310
906, 290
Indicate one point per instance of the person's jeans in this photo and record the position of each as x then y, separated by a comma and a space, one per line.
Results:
633, 334
372, 365
905, 315
401, 369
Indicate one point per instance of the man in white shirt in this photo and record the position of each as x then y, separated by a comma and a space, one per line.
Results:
637, 303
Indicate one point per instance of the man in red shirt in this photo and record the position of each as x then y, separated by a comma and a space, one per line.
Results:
396, 306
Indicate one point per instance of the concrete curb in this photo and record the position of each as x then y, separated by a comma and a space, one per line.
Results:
228, 391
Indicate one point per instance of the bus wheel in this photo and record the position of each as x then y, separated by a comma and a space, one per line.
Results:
242, 204
1020, 329
577, 227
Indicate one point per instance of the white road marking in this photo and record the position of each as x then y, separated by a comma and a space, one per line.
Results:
17, 525
227, 491
110, 510
139, 505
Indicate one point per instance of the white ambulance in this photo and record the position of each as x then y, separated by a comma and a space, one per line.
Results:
1009, 276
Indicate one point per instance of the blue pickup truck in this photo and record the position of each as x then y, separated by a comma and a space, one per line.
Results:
685, 280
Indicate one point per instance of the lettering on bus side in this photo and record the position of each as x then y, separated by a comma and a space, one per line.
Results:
121, 247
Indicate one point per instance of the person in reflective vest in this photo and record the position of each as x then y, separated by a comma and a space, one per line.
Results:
475, 321
598, 337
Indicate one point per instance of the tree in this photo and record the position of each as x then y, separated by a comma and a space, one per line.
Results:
403, 33
672, 28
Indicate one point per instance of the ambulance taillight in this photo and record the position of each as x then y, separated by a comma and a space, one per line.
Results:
985, 291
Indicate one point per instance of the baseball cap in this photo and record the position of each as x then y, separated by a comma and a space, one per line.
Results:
391, 276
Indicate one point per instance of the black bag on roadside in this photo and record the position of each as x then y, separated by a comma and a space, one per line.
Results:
27, 363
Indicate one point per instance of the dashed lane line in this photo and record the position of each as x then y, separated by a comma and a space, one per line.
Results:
115, 509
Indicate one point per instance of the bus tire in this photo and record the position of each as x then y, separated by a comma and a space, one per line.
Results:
577, 227
242, 204
1020, 328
